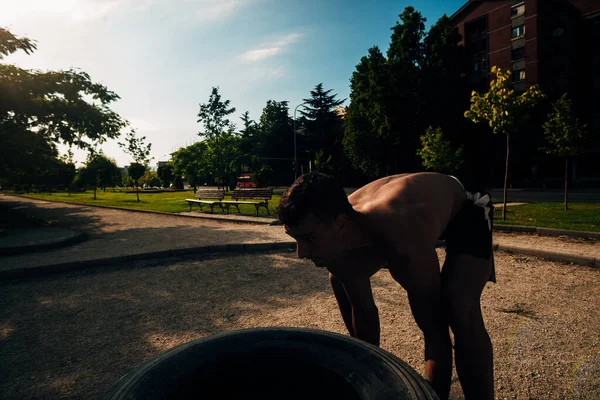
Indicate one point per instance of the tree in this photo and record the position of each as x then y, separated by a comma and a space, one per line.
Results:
150, 178
165, 173
437, 152
248, 141
367, 127
405, 104
564, 134
276, 140
503, 109
99, 171
442, 72
68, 171
53, 103
192, 162
40, 109
214, 118
140, 152
323, 127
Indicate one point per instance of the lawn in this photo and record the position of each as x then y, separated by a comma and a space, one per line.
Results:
170, 202
580, 216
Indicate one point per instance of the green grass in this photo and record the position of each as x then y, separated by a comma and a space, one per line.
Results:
169, 202
580, 216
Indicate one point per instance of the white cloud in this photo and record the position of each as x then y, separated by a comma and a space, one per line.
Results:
270, 49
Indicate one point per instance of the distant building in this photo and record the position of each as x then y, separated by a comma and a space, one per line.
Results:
552, 43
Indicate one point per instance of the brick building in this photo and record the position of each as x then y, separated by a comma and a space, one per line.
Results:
554, 43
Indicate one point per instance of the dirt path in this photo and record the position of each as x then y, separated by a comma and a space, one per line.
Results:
72, 336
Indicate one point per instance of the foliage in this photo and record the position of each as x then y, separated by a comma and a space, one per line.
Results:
263, 175
193, 163
437, 152
53, 103
40, 109
99, 171
150, 179
136, 171
564, 134
140, 153
323, 127
136, 147
563, 131
165, 173
218, 131
275, 141
367, 128
503, 109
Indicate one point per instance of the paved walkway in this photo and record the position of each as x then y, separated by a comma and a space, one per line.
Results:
119, 235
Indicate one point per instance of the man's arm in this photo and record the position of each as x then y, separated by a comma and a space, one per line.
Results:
360, 314
343, 302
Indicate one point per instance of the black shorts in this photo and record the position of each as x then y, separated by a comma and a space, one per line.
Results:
469, 232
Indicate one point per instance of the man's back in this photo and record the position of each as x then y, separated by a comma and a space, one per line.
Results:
418, 205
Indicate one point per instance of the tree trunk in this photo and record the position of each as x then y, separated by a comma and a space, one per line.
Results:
566, 180
506, 176
137, 193
95, 192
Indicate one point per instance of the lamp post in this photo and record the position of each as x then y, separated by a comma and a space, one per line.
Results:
295, 157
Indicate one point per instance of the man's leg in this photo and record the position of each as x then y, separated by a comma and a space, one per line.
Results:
422, 281
463, 279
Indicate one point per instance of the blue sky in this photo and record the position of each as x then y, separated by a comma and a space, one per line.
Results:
162, 57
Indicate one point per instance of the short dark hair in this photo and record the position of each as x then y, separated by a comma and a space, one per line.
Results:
315, 193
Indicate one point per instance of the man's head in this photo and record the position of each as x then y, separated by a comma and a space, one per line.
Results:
315, 210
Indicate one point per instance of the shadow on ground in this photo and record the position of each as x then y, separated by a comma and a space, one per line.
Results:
72, 336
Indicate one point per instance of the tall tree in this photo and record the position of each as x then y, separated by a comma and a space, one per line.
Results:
367, 127
139, 151
40, 109
406, 106
214, 118
193, 162
442, 84
248, 140
564, 134
323, 127
99, 171
276, 141
165, 173
437, 152
54, 103
503, 109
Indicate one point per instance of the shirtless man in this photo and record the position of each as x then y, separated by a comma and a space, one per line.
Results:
395, 223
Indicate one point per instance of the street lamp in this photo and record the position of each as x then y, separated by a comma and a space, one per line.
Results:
295, 157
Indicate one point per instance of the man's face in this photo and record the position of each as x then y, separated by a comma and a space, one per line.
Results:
318, 241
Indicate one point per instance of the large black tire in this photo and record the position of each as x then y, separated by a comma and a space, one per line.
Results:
273, 363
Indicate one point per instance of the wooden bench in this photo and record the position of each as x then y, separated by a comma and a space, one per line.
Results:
209, 197
247, 196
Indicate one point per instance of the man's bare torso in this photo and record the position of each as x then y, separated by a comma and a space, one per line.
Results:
409, 212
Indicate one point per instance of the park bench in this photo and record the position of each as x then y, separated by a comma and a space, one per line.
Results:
209, 197
257, 197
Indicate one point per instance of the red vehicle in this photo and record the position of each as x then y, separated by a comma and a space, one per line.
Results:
245, 182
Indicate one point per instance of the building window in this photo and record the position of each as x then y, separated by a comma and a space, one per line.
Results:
518, 54
518, 75
517, 10
518, 31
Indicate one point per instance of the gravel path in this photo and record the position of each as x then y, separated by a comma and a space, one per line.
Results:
73, 335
